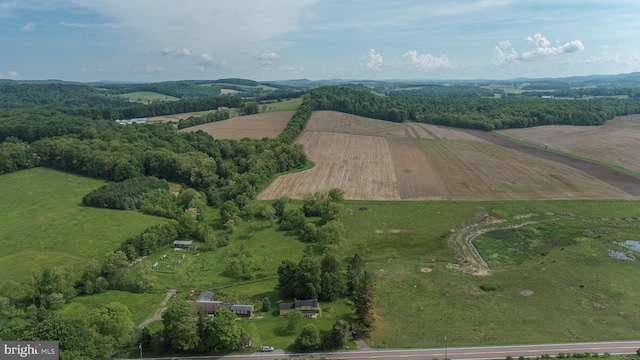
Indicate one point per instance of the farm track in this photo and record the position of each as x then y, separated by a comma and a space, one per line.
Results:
620, 180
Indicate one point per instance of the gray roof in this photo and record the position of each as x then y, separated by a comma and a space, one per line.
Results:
183, 242
242, 308
205, 296
303, 303
286, 306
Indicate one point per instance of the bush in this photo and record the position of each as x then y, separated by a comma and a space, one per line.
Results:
488, 287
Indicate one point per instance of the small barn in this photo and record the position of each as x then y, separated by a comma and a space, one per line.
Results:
182, 244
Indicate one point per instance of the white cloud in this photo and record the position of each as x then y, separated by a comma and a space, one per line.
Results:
612, 59
426, 62
267, 58
538, 40
372, 60
184, 52
504, 53
504, 44
207, 60
30, 26
83, 69
153, 69
165, 51
13, 75
77, 25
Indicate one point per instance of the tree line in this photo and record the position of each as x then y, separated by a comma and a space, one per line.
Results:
476, 113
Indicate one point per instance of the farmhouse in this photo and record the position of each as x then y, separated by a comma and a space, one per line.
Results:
206, 303
309, 308
182, 244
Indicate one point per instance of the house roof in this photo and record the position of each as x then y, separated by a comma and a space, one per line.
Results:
306, 303
286, 306
209, 306
205, 296
183, 242
242, 308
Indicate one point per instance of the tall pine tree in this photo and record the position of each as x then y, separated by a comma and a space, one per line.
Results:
364, 301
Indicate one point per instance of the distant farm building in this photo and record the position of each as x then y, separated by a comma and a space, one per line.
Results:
222, 108
132, 121
182, 244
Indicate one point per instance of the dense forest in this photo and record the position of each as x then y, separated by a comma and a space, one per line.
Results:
55, 95
476, 113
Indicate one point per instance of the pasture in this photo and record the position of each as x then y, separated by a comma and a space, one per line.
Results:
378, 160
616, 142
561, 285
255, 126
146, 97
44, 226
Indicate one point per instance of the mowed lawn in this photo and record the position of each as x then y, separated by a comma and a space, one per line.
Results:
44, 225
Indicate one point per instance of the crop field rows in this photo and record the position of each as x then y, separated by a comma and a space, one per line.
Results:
377, 160
616, 142
251, 126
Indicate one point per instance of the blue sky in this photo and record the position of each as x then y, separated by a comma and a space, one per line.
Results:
157, 40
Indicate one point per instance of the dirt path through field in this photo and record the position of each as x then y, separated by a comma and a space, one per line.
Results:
157, 315
620, 180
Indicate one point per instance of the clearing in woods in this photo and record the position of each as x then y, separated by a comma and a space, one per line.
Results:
379, 160
250, 126
616, 142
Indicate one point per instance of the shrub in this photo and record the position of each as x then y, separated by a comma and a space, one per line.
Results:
488, 287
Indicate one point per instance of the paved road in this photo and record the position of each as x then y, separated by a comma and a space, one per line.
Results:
454, 353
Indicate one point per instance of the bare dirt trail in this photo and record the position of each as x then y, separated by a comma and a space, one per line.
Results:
157, 315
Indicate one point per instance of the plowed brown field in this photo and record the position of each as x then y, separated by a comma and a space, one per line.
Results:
374, 159
617, 142
251, 126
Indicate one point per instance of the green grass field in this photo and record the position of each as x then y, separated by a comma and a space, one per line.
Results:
43, 224
147, 97
578, 292
553, 279
286, 105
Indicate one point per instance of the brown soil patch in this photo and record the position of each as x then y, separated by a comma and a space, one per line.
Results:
526, 292
616, 142
378, 160
417, 176
227, 91
251, 126
396, 231
178, 117
361, 166
426, 270
611, 177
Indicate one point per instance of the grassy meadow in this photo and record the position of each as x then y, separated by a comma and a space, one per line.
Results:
44, 225
146, 97
285, 105
562, 286
552, 279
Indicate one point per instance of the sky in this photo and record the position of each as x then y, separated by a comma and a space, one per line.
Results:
160, 40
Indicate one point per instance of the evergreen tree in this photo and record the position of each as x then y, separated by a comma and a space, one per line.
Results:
355, 269
266, 304
364, 301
